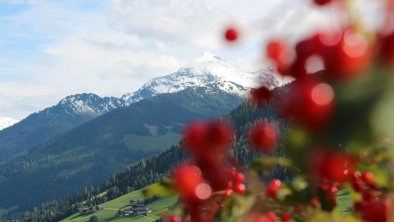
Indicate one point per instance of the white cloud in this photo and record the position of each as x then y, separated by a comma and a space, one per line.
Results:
180, 22
55, 49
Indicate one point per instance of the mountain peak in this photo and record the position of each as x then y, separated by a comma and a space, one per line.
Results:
78, 97
207, 56
208, 70
89, 103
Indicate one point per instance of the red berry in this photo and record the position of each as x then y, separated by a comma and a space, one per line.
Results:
263, 136
333, 166
373, 186
273, 188
230, 185
333, 191
325, 186
309, 104
194, 136
375, 211
219, 135
239, 178
280, 54
260, 96
218, 176
187, 176
189, 182
276, 50
311, 46
310, 53
357, 182
285, 217
327, 196
358, 185
197, 214
358, 206
240, 188
215, 136
350, 57
386, 53
367, 177
271, 216
329, 189
322, 2
368, 196
231, 34
304, 51
203, 191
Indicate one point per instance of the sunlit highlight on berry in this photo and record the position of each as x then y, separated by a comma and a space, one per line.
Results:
354, 44
203, 191
322, 94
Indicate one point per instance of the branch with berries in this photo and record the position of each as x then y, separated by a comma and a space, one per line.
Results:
338, 141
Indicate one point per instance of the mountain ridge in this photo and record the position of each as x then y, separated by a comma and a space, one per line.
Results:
207, 71
91, 152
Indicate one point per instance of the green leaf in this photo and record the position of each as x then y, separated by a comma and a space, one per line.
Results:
344, 199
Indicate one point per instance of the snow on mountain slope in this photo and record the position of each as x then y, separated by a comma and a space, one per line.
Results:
89, 103
6, 122
208, 70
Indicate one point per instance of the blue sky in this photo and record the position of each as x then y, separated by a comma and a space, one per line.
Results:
51, 48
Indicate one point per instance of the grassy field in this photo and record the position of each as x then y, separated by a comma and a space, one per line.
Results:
112, 207
162, 205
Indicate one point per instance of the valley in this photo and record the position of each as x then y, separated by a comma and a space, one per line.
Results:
122, 203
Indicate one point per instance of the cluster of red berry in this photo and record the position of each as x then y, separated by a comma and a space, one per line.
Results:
209, 178
316, 63
342, 56
372, 207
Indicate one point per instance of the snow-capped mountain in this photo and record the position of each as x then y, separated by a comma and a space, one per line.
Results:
6, 122
44, 125
89, 103
208, 70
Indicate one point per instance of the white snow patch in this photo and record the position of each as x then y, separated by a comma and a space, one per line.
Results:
6, 122
208, 70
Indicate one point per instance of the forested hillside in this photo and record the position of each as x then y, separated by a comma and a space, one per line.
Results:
92, 152
151, 170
